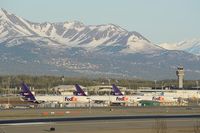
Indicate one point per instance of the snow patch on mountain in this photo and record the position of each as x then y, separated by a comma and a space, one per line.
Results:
15, 30
192, 46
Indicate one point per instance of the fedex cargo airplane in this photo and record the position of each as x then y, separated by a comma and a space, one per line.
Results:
79, 97
153, 97
115, 97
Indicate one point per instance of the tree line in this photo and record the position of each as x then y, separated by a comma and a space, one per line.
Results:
44, 82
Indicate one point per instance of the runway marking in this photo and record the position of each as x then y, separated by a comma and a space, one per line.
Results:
86, 123
23, 124
95, 119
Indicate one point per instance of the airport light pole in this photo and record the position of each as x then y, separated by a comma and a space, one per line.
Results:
8, 98
155, 83
108, 81
108, 84
162, 85
8, 90
197, 83
89, 101
63, 79
127, 79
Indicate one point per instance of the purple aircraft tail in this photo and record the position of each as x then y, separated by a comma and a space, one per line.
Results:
116, 91
79, 91
27, 94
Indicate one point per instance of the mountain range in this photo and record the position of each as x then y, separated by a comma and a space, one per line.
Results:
74, 49
191, 46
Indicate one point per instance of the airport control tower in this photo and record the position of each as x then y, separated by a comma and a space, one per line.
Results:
180, 75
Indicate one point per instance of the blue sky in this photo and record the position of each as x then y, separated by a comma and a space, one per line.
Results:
158, 20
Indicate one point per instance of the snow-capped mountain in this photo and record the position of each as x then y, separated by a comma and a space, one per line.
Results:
192, 46
72, 48
15, 30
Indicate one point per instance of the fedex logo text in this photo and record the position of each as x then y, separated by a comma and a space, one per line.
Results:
121, 98
70, 99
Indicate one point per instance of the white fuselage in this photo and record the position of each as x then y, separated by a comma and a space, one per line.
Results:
111, 99
62, 99
83, 99
170, 95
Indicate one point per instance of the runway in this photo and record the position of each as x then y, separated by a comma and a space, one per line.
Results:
99, 118
107, 126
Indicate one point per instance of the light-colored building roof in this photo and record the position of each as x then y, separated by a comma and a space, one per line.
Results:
65, 88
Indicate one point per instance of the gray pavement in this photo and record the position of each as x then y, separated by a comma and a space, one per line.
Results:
103, 126
68, 112
117, 126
